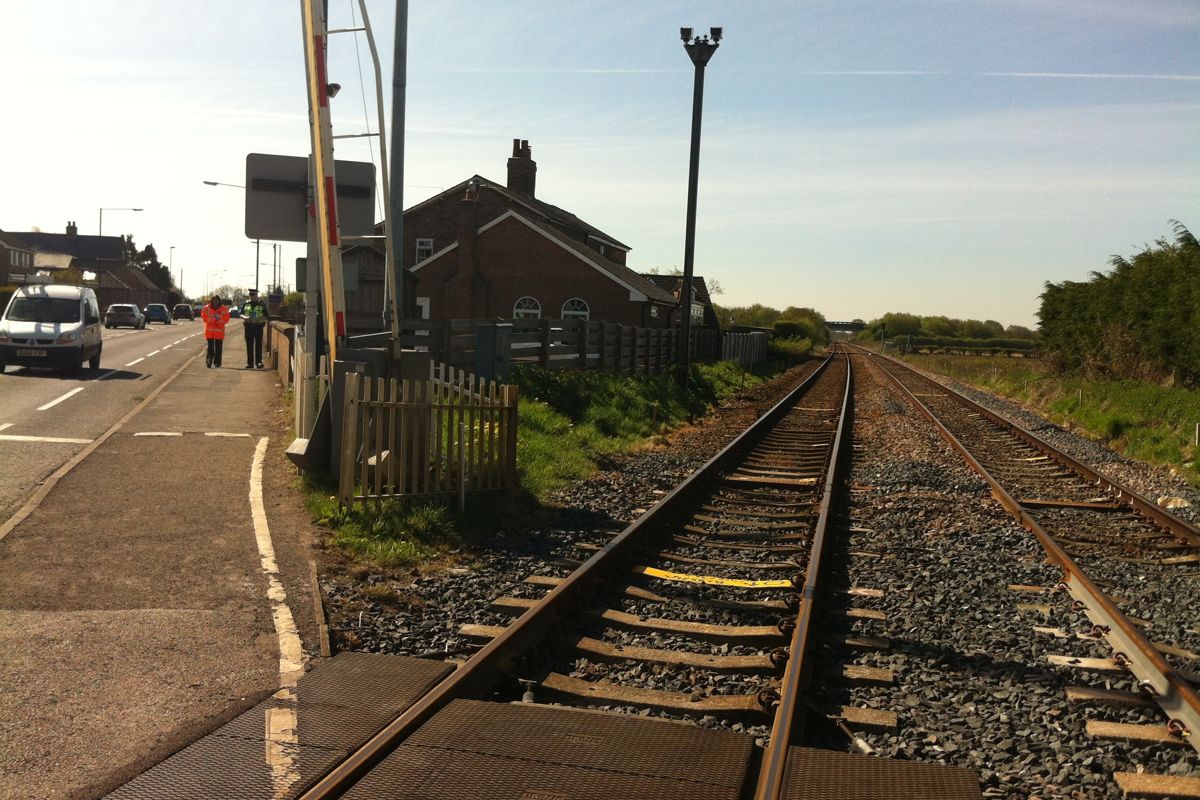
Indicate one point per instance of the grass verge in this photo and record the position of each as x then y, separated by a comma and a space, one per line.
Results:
569, 424
1141, 420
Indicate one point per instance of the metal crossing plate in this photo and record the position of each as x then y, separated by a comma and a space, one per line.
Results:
826, 775
533, 752
282, 746
221, 768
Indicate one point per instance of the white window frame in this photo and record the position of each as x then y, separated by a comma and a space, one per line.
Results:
697, 312
424, 245
527, 308
576, 312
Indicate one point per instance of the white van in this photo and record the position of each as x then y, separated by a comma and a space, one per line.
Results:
47, 325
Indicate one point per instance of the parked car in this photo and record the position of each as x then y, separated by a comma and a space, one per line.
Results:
119, 314
49, 325
234, 312
183, 311
157, 312
197, 308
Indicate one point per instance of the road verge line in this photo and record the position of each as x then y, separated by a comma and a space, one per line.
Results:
49, 483
291, 653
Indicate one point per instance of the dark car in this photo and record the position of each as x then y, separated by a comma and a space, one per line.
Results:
119, 314
157, 312
234, 312
183, 311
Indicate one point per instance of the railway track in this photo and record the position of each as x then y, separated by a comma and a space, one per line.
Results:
714, 592
700, 650
1089, 525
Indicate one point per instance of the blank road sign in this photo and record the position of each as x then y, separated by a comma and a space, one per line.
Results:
277, 191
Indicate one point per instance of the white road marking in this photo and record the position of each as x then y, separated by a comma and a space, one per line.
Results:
136, 360
156, 352
107, 374
6, 437
158, 433
223, 433
6, 425
58, 400
291, 655
165, 347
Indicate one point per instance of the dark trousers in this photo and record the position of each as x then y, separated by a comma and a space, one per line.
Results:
254, 337
213, 356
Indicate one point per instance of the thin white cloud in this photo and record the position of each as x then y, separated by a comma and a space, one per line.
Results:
561, 71
1131, 76
903, 73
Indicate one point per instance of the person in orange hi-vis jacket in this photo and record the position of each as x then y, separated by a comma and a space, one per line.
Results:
216, 316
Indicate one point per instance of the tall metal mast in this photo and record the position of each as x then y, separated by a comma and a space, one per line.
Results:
323, 179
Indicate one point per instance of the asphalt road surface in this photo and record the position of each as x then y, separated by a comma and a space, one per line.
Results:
47, 417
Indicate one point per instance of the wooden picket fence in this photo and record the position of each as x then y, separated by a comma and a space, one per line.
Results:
449, 435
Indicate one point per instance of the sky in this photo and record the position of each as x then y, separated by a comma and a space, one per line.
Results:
936, 157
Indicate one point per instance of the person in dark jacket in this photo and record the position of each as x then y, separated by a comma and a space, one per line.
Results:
254, 319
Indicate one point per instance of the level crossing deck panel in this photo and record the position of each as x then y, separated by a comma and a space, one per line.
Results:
522, 751
827, 775
282, 746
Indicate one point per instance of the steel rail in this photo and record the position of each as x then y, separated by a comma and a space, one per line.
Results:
1142, 505
1168, 688
789, 716
479, 674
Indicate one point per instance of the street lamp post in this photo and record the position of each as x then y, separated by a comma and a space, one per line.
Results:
208, 277
256, 241
101, 226
700, 50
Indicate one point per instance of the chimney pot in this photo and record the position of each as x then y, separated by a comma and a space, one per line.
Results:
522, 169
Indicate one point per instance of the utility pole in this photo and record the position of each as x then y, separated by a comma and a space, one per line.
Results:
333, 294
395, 308
700, 49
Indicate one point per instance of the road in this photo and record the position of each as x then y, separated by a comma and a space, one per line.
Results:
47, 417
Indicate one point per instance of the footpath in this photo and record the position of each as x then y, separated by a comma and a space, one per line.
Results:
142, 602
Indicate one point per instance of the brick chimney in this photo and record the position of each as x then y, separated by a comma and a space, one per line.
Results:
71, 229
522, 169
465, 290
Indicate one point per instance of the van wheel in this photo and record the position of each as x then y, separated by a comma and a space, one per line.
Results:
94, 361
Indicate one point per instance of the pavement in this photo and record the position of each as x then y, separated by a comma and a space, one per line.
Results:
135, 612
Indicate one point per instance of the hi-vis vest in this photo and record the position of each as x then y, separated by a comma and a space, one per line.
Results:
254, 312
214, 321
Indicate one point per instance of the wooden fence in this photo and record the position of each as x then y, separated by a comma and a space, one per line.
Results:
577, 344
448, 435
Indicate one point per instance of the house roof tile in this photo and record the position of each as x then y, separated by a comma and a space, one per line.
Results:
92, 248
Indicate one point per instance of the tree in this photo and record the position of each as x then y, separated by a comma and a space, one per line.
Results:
938, 326
147, 261
1139, 320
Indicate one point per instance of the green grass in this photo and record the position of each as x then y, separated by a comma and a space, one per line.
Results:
569, 422
389, 535
1142, 420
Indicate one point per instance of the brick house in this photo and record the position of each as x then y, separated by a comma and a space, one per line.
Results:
483, 250
103, 255
703, 313
16, 259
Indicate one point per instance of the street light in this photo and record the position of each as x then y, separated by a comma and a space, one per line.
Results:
256, 241
700, 49
101, 233
208, 275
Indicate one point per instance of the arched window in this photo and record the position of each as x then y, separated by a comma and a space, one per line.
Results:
575, 308
527, 308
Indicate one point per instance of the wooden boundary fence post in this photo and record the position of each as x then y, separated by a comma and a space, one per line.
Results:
349, 444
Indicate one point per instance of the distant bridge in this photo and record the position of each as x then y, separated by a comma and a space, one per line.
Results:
853, 326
